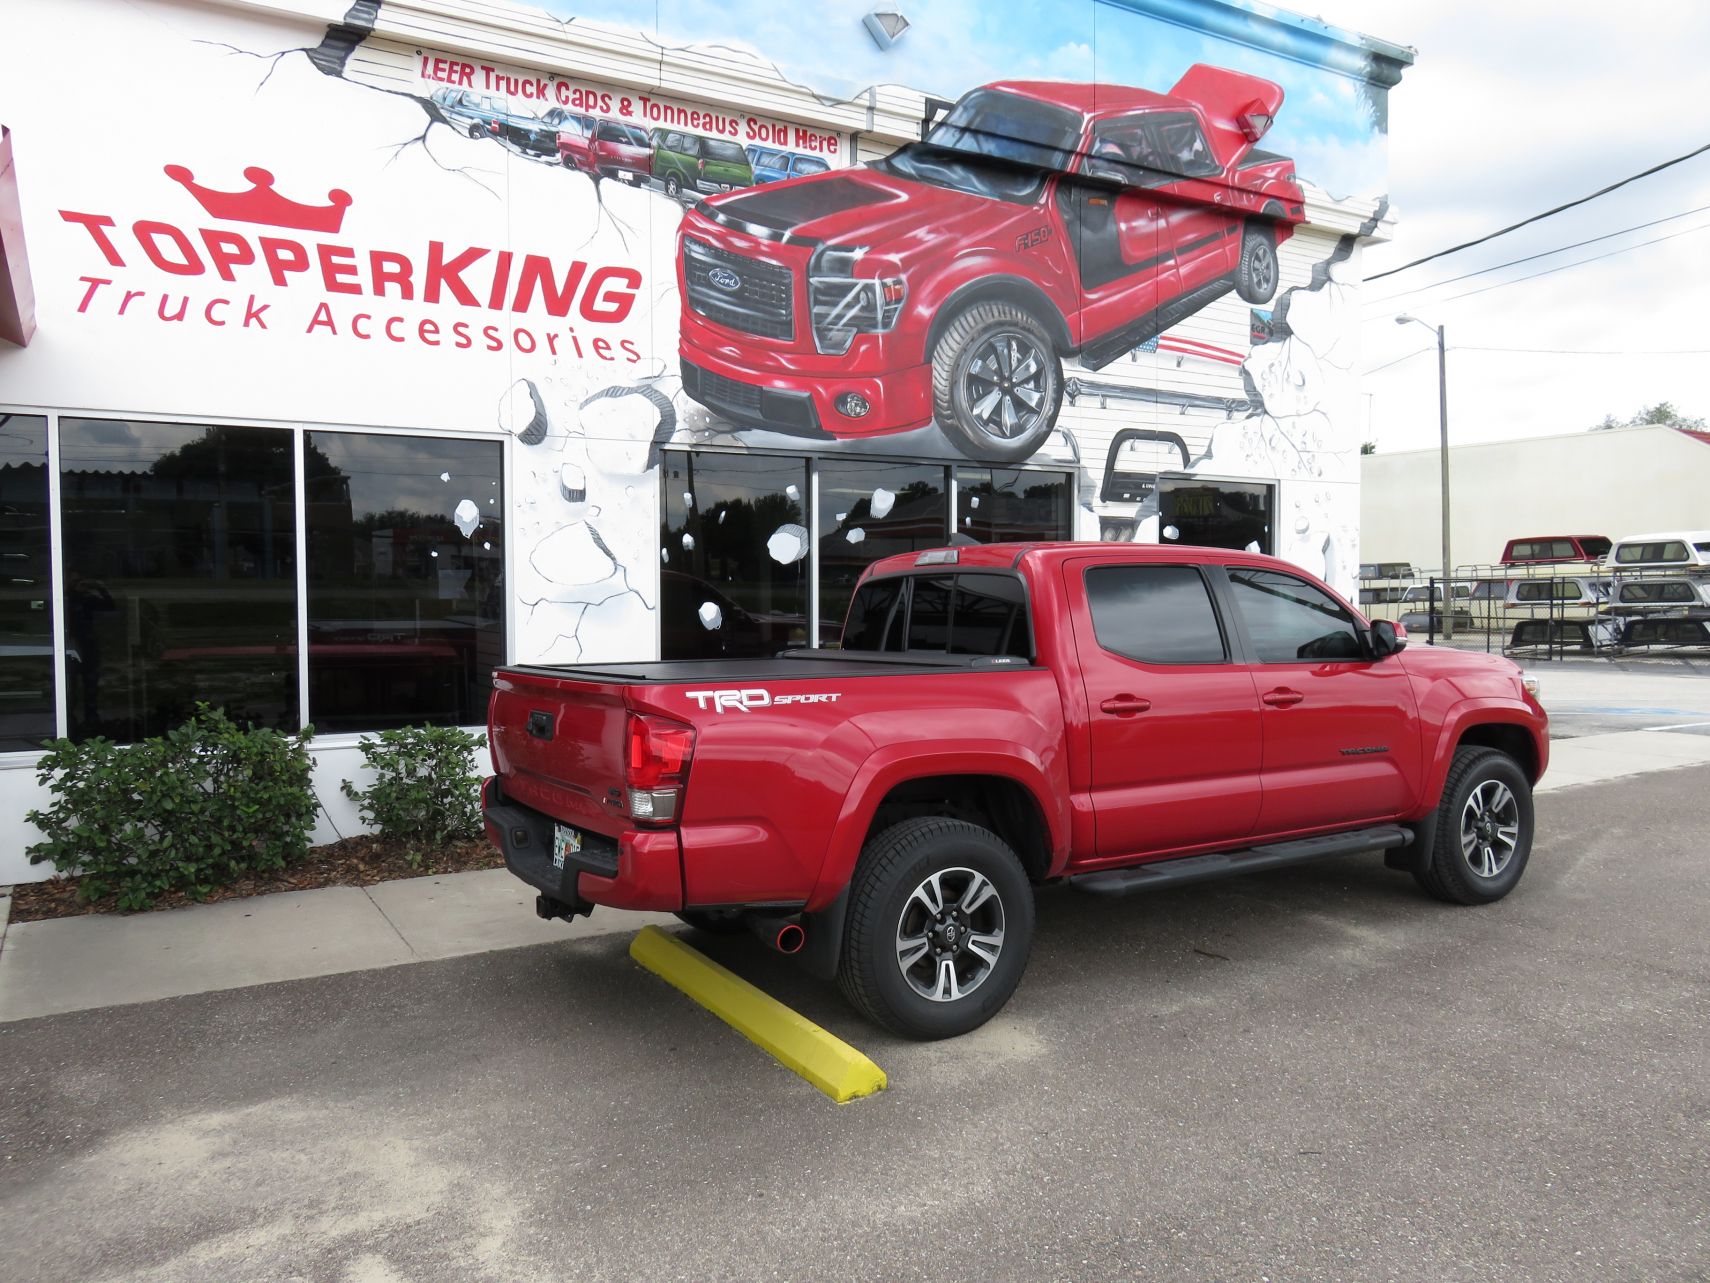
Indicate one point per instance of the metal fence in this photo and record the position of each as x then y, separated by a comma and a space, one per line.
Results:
1549, 611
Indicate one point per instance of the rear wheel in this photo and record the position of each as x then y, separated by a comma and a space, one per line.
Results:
1484, 829
1256, 273
940, 924
475, 131
673, 187
997, 383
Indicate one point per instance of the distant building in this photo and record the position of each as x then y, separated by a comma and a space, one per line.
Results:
1617, 482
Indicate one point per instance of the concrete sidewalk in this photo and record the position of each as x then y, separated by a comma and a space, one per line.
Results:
101, 960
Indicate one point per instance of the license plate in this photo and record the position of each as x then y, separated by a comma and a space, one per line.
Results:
565, 841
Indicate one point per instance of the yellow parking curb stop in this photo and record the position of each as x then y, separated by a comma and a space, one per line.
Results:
819, 1056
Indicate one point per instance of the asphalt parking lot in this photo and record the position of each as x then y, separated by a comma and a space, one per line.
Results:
1311, 1074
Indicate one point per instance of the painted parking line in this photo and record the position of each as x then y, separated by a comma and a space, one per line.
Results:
821, 1057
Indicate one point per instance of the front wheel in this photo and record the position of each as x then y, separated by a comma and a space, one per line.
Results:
1484, 829
997, 383
940, 924
1256, 273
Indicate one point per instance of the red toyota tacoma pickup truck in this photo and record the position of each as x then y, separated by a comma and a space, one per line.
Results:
946, 282
1117, 716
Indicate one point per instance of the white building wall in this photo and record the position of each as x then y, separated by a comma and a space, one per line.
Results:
1614, 483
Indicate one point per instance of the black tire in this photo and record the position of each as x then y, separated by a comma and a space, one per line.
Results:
895, 865
673, 187
974, 394
1256, 274
475, 131
1458, 866
715, 922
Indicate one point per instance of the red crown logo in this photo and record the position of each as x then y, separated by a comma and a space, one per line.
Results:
261, 204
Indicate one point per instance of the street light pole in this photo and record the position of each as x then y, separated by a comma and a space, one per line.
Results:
1443, 455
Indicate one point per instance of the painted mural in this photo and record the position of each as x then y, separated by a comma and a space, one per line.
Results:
1110, 243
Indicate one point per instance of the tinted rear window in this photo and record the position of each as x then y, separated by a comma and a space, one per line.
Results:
971, 614
720, 150
1632, 553
1155, 614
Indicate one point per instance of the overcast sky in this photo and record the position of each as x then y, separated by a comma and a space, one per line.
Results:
1513, 107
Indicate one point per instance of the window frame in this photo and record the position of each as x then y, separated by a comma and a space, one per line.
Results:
1224, 632
299, 428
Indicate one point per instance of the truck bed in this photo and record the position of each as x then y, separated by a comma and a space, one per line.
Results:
791, 665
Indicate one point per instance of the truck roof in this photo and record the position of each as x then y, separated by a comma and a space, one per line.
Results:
1008, 555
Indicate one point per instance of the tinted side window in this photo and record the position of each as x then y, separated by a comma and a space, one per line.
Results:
1291, 620
1156, 614
929, 614
990, 617
869, 614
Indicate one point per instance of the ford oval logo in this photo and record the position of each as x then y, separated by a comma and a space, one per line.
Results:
724, 278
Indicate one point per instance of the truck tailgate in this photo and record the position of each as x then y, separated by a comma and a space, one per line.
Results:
559, 743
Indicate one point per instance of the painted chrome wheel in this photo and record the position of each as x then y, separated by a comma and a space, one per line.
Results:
1006, 385
950, 934
1490, 828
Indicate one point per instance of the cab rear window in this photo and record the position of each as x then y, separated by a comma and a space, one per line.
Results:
963, 614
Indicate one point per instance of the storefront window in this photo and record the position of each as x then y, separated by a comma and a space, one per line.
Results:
734, 549
180, 576
1004, 505
1215, 514
868, 511
26, 594
406, 596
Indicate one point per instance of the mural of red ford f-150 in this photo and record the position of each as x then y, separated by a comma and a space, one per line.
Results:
947, 282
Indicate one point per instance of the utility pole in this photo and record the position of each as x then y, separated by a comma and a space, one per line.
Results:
1448, 607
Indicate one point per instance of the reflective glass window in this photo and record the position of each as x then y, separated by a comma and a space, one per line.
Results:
180, 574
406, 596
868, 511
1003, 505
734, 551
26, 591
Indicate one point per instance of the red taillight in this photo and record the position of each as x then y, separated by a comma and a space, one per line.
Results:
657, 765
701, 165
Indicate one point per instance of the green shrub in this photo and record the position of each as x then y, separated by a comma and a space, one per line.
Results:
425, 787
191, 810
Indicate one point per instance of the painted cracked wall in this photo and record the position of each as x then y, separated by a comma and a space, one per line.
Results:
482, 245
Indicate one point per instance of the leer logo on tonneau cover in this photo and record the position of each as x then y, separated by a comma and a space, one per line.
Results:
742, 701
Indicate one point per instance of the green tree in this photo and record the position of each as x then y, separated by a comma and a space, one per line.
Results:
1663, 412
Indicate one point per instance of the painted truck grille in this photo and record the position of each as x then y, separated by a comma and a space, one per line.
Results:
763, 302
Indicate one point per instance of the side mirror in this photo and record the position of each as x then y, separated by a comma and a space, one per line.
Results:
1386, 639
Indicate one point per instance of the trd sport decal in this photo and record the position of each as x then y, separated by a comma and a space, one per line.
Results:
741, 701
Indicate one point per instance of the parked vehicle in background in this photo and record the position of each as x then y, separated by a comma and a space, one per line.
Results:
537, 135
1669, 550
478, 115
608, 149
1123, 716
1554, 548
1066, 219
771, 165
682, 161
1434, 592
1386, 570
1557, 595
1683, 595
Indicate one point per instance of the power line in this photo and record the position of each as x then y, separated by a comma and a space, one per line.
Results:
1515, 262
1545, 351
1548, 213
1551, 271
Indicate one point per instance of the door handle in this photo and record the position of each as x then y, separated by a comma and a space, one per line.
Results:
1282, 697
1123, 705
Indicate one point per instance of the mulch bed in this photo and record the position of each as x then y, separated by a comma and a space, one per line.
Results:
352, 862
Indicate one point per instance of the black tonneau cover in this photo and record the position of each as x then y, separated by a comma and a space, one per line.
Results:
791, 665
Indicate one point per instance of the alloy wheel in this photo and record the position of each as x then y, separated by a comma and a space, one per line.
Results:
1490, 828
950, 934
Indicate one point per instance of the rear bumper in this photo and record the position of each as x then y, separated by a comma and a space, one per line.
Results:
639, 869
